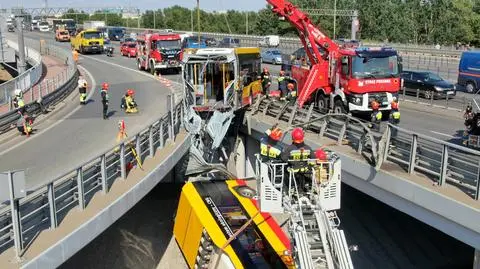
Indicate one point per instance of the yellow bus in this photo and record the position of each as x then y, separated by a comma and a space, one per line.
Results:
210, 213
227, 75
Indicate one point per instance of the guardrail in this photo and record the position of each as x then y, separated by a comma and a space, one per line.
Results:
46, 207
440, 161
289, 44
49, 92
25, 80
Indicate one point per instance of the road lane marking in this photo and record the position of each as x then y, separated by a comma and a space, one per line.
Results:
447, 135
90, 94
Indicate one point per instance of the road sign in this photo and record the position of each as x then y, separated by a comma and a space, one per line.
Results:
19, 190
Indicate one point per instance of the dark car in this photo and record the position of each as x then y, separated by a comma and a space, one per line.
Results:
229, 42
428, 84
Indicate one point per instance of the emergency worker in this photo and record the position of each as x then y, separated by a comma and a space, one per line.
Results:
105, 97
395, 113
297, 155
18, 101
269, 146
283, 83
130, 104
24, 124
376, 117
468, 117
75, 55
82, 89
292, 92
266, 80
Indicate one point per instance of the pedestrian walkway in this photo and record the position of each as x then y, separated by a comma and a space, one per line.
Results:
53, 69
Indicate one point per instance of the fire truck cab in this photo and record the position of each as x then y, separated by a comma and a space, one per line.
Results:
158, 52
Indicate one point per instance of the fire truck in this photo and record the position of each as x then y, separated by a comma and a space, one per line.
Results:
342, 78
157, 52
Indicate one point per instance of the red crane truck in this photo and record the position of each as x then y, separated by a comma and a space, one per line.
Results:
157, 52
343, 78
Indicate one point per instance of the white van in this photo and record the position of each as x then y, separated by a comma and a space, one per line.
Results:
270, 41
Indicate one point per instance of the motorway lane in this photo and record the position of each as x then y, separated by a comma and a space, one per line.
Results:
84, 134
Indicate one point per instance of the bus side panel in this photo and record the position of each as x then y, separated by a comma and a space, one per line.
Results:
192, 239
181, 219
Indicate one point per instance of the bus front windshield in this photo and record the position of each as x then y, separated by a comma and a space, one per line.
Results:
375, 67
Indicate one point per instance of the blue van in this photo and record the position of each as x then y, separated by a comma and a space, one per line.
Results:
191, 42
469, 71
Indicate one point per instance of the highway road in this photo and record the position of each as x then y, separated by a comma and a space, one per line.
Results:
61, 144
84, 134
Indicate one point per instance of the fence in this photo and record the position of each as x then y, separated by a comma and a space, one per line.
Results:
47, 206
25, 80
42, 96
440, 161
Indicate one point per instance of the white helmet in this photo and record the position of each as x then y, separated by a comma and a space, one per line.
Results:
18, 92
394, 98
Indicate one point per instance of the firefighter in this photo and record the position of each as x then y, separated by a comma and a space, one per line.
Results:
297, 155
18, 101
292, 92
395, 113
266, 80
283, 83
24, 124
105, 97
469, 117
128, 102
269, 146
82, 89
376, 117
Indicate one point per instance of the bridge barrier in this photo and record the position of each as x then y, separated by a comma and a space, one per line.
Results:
46, 207
25, 80
439, 161
290, 44
48, 93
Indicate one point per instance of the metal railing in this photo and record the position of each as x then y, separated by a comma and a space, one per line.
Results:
289, 44
25, 80
40, 97
47, 206
441, 162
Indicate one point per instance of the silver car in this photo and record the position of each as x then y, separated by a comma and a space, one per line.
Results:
273, 56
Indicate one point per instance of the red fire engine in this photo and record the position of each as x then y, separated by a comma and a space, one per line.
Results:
157, 52
343, 78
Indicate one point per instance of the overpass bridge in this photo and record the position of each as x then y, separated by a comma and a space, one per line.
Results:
81, 203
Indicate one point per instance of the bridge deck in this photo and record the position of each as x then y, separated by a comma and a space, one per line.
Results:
452, 192
76, 218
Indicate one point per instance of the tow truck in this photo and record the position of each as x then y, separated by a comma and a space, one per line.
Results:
342, 78
157, 52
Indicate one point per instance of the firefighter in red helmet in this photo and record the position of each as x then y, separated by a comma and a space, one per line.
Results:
269, 144
128, 102
104, 95
297, 155
376, 117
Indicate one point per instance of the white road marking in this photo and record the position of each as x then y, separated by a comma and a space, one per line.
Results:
143, 73
446, 135
90, 94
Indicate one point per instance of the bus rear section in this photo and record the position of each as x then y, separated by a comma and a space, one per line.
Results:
211, 212
469, 71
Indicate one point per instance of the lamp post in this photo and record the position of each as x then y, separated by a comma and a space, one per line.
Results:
198, 20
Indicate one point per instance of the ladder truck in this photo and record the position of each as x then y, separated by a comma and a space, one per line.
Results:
344, 79
313, 224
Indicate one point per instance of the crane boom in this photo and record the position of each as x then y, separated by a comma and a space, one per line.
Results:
312, 39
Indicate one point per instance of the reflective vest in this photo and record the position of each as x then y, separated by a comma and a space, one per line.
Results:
378, 115
20, 102
129, 102
298, 156
269, 151
396, 115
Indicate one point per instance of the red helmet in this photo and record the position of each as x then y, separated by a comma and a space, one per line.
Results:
105, 86
394, 105
298, 135
275, 134
290, 86
130, 92
375, 105
321, 155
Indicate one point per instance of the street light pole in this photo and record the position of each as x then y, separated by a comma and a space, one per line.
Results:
198, 20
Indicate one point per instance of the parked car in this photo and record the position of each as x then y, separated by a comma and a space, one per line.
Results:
229, 42
469, 71
273, 56
128, 49
428, 84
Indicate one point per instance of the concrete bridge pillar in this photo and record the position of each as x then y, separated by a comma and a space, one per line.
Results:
476, 259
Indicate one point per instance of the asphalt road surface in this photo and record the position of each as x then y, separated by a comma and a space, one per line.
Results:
60, 145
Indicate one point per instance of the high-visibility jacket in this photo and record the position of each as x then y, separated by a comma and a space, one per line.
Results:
376, 116
270, 148
297, 155
129, 102
20, 102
